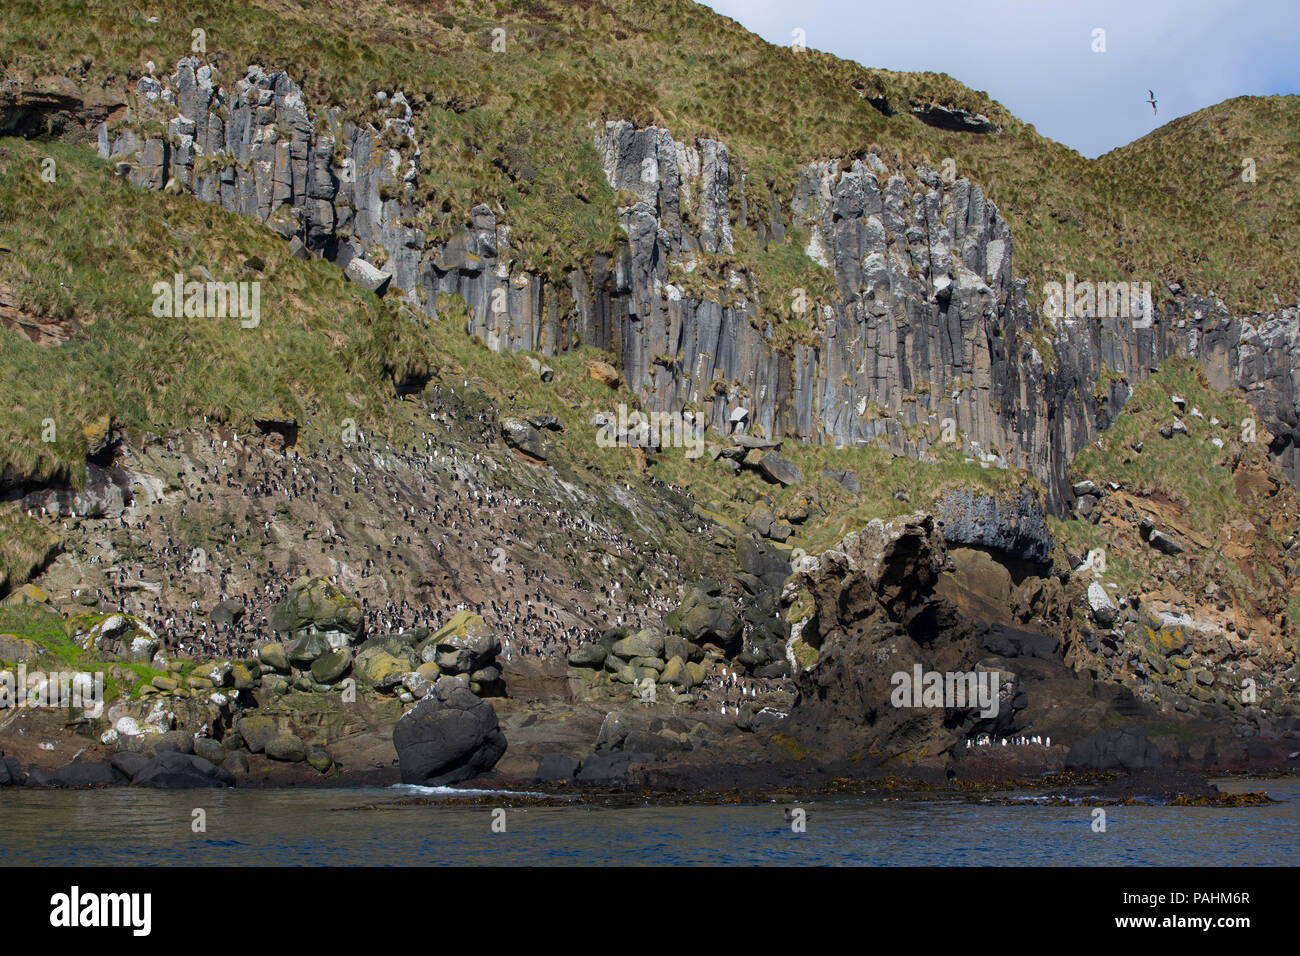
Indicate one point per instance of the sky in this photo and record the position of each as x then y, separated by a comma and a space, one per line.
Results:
1037, 58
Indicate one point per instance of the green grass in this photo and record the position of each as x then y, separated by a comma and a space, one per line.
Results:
48, 628
512, 126
90, 248
1207, 496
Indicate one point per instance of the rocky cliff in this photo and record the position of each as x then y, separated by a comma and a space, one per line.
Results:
928, 336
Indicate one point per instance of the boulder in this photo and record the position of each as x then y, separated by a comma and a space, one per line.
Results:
613, 730
88, 774
588, 655
845, 479
314, 605
677, 646
378, 668
331, 667
304, 651
177, 740
257, 731
775, 467
286, 748
644, 643
466, 643
368, 276
11, 772
274, 656
1099, 602
129, 765
1165, 543
209, 749
449, 737
175, 771
526, 438
676, 673
603, 372
704, 619
319, 758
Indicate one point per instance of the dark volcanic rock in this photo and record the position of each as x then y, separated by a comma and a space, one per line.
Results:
1016, 642
128, 764
555, 767
588, 655
172, 770
1165, 543
846, 479
1127, 749
88, 774
877, 614
609, 768
448, 737
315, 607
11, 772
708, 620
777, 468
524, 437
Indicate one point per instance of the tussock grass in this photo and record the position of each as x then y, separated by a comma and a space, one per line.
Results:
91, 247
1208, 496
511, 127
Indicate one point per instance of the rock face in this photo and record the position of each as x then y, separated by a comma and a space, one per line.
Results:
930, 323
447, 738
1017, 529
1127, 749
875, 614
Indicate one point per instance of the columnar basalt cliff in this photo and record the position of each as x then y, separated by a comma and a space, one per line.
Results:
929, 322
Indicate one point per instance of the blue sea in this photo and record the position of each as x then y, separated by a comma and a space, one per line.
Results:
409, 826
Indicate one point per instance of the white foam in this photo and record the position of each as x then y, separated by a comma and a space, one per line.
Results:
462, 791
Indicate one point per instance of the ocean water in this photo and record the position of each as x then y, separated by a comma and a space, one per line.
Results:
386, 827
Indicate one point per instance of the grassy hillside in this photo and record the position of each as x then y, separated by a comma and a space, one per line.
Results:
511, 124
1232, 508
1239, 160
88, 248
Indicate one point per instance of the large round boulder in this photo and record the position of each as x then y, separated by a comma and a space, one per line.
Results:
448, 737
